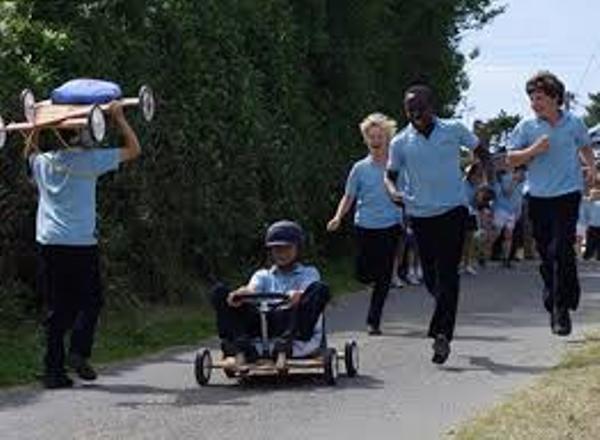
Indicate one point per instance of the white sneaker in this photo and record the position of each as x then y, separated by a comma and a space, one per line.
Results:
413, 279
420, 272
470, 270
397, 283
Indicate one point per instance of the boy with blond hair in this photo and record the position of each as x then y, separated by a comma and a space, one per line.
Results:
377, 220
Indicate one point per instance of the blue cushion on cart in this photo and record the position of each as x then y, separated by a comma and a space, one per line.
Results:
86, 91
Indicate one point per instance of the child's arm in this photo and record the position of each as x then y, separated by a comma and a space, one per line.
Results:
342, 209
131, 148
517, 158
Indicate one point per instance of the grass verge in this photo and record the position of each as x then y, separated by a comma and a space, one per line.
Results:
121, 335
129, 334
563, 405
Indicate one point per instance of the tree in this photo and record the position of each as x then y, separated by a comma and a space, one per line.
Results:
258, 105
495, 131
593, 110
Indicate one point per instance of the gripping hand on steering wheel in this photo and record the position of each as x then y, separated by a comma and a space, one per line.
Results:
294, 296
234, 299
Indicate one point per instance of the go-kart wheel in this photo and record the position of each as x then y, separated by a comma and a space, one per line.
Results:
97, 124
203, 367
2, 133
147, 103
28, 105
330, 367
351, 358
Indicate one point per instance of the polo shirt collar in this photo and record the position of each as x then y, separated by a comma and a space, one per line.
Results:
295, 270
562, 118
435, 123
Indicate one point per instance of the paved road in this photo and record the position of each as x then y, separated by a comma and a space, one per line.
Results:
503, 341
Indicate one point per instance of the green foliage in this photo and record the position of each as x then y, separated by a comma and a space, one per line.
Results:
593, 110
258, 106
497, 129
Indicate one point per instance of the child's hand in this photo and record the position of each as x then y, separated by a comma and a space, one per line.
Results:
234, 299
333, 224
397, 198
541, 145
295, 296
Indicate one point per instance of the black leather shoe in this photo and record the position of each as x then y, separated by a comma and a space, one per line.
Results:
374, 331
55, 381
82, 367
561, 323
441, 349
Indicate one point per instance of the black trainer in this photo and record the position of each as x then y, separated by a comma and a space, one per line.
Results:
55, 381
561, 323
373, 331
82, 367
441, 349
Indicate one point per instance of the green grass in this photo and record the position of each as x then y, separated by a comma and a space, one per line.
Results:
20, 354
129, 334
120, 336
563, 405
339, 274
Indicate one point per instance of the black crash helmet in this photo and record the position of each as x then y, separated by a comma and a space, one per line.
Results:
284, 232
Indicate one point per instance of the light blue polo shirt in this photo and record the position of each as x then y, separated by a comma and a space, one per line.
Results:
274, 280
592, 213
66, 181
432, 166
511, 202
557, 171
374, 207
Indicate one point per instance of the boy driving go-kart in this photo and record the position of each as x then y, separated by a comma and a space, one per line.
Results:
275, 323
292, 325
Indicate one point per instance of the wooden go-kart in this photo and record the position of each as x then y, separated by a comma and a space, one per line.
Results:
324, 359
76, 113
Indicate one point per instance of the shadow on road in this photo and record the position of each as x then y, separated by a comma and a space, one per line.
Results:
235, 393
19, 397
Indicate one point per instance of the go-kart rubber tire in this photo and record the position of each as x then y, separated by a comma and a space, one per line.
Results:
23, 98
144, 95
330, 367
2, 133
96, 137
203, 366
351, 358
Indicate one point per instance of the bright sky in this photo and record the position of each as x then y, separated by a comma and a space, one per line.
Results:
562, 36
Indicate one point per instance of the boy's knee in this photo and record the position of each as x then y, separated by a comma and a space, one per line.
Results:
319, 290
218, 294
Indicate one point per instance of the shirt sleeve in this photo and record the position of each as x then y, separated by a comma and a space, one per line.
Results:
396, 158
258, 281
352, 182
582, 136
518, 138
310, 276
105, 160
466, 137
